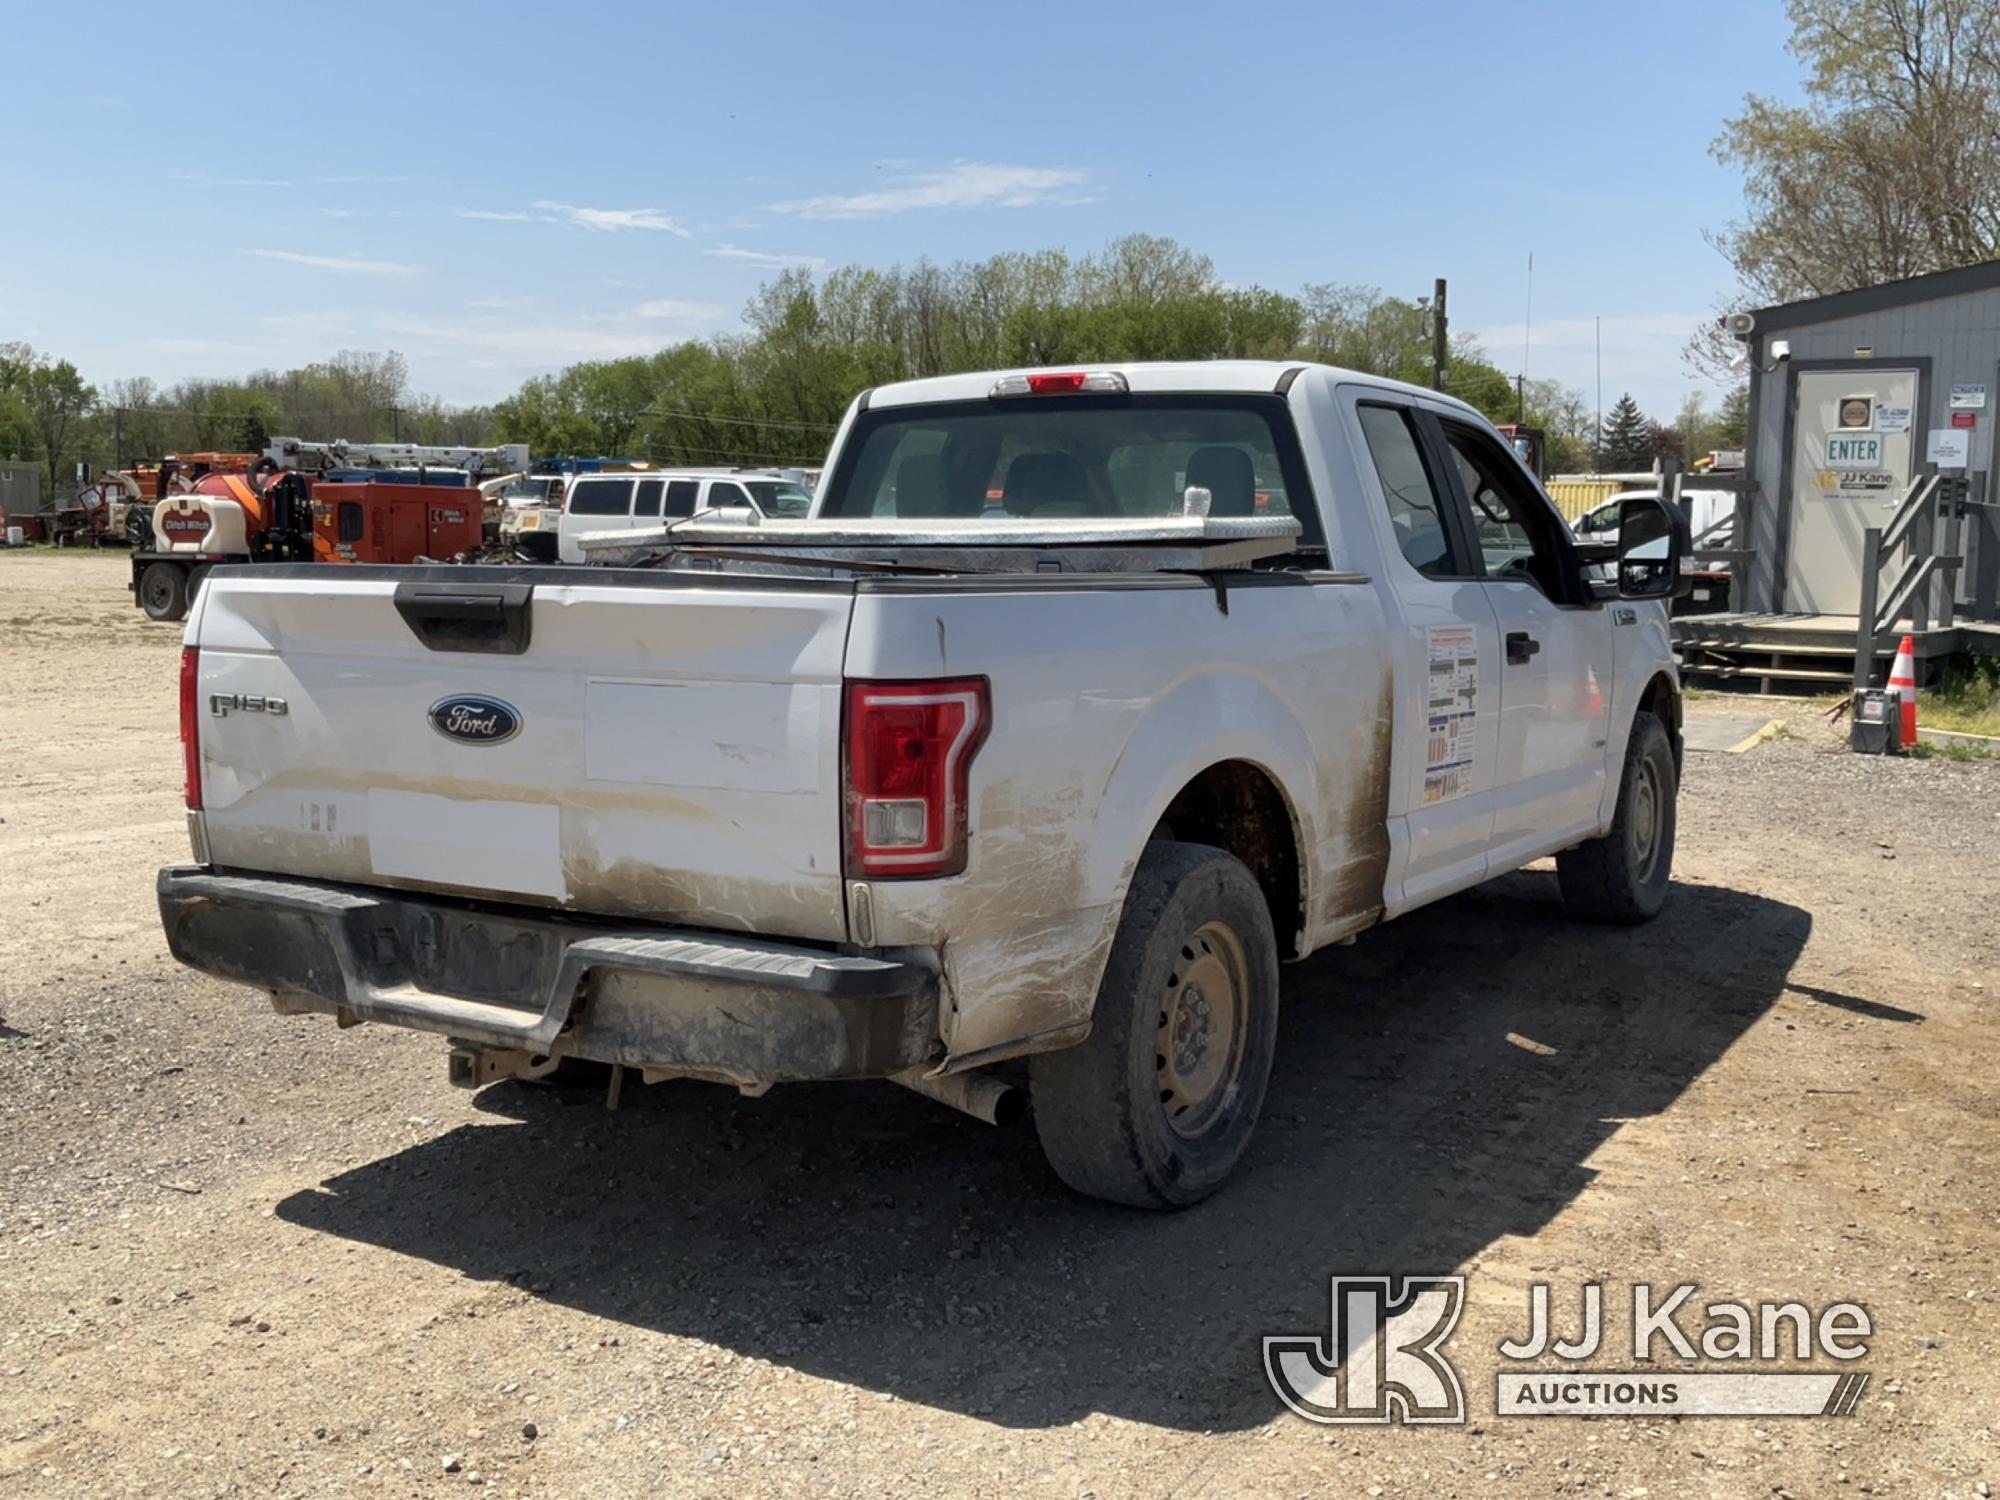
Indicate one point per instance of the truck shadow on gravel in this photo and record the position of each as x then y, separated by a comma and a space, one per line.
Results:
1439, 1085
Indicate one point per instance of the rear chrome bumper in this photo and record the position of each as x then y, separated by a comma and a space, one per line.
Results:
707, 1004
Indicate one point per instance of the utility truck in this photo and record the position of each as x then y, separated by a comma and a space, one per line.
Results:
1248, 658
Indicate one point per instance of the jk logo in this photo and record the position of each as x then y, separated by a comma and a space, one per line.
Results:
1379, 1359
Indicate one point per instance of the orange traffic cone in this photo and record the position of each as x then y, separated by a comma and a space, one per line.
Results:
1903, 679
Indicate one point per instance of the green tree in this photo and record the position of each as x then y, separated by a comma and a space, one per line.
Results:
1732, 423
1663, 441
18, 439
1626, 442
1888, 168
58, 400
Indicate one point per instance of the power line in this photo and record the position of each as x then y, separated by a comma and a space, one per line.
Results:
738, 455
653, 411
670, 411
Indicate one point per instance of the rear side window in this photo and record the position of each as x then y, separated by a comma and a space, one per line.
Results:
681, 495
726, 493
1416, 516
777, 497
601, 497
648, 501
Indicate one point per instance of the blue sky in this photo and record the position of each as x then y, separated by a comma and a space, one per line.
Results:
497, 190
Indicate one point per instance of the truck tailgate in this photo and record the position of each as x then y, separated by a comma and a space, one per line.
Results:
661, 747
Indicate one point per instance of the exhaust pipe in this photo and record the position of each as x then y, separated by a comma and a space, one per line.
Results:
980, 1095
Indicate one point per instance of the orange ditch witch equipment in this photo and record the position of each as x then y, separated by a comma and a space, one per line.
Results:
393, 503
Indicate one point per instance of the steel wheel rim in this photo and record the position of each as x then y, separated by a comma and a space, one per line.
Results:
1643, 820
1198, 1050
159, 591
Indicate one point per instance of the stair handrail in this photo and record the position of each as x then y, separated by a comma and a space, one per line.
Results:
1914, 524
1920, 493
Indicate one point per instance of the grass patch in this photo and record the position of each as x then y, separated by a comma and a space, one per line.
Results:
1968, 700
1949, 750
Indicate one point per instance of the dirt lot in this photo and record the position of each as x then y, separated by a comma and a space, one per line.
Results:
242, 1254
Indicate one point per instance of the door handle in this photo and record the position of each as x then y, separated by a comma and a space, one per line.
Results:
1520, 646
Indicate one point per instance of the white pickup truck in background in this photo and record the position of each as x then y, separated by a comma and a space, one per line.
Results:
1252, 657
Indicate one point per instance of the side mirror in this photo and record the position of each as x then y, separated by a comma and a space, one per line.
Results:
1653, 546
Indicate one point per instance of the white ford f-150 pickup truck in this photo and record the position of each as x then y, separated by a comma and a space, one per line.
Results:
1082, 700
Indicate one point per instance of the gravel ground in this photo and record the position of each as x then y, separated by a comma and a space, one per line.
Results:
244, 1254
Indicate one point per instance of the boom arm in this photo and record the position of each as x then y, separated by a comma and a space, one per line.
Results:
296, 453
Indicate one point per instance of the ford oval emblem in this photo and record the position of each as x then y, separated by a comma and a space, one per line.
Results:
474, 720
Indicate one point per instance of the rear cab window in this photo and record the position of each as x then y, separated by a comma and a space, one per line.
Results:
1039, 459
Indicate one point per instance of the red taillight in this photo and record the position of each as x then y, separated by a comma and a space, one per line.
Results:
909, 749
191, 723
1055, 385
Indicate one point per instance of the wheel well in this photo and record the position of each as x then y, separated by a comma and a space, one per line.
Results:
1236, 806
1663, 701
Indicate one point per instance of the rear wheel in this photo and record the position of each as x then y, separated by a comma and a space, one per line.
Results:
163, 591
1156, 1107
1623, 877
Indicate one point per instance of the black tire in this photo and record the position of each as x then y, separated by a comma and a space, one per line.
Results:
163, 591
1140, 1112
1623, 877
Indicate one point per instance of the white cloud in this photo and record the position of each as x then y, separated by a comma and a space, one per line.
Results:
502, 304
1623, 331
965, 184
349, 264
668, 307
208, 180
504, 215
610, 220
201, 347
1642, 355
364, 177
309, 325
521, 346
766, 258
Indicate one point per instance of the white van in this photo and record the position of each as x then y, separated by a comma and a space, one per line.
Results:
628, 501
1706, 508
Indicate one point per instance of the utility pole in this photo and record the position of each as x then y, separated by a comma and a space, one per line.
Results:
117, 437
1520, 399
1597, 432
1440, 342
